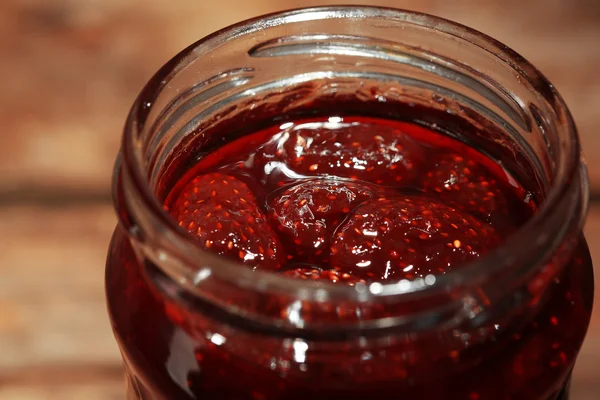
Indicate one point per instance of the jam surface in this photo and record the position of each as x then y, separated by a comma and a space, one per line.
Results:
345, 200
335, 197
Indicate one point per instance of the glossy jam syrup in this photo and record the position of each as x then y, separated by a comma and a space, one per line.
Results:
315, 199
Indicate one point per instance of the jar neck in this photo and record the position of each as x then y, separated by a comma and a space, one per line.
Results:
302, 61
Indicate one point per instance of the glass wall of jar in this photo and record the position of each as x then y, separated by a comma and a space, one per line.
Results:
193, 325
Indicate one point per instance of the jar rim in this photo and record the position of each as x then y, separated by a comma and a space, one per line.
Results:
132, 161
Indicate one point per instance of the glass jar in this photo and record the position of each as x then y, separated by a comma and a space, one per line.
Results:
192, 325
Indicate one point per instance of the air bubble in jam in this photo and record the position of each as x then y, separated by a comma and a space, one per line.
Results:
374, 200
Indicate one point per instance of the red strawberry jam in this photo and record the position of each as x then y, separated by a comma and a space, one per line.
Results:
406, 237
222, 213
349, 201
349, 196
348, 149
307, 214
461, 182
333, 147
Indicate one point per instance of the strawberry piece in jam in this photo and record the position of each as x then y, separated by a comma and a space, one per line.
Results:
385, 155
307, 214
222, 214
407, 238
466, 185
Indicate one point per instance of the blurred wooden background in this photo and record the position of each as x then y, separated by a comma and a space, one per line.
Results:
69, 71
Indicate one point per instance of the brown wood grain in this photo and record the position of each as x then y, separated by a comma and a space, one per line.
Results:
55, 338
70, 70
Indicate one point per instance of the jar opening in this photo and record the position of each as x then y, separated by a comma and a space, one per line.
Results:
281, 61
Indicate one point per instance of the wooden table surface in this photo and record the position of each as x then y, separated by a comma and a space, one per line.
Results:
69, 71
